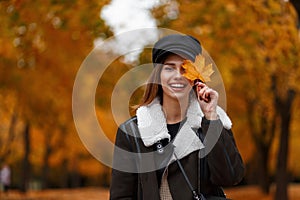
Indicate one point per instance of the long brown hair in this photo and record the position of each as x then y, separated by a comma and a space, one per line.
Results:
153, 88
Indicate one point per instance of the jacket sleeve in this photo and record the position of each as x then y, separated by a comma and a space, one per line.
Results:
123, 181
224, 160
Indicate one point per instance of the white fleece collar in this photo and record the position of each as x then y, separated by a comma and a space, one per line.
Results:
153, 126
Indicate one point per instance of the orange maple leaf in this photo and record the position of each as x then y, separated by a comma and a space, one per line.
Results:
197, 70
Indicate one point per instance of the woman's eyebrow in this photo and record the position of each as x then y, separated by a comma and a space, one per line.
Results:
169, 63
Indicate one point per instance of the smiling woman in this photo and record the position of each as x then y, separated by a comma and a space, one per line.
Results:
176, 88
182, 139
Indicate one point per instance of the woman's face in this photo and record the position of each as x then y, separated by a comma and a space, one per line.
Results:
174, 85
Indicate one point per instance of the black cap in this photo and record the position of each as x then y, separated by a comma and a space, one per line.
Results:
183, 45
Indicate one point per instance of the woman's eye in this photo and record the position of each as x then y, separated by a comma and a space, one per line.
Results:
168, 68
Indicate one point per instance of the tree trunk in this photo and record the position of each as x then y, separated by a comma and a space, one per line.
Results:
26, 163
282, 176
45, 171
262, 135
284, 108
263, 170
5, 145
64, 173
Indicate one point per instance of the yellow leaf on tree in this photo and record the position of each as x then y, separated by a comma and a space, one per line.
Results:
197, 70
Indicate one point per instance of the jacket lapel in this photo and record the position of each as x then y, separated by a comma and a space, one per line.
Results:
186, 142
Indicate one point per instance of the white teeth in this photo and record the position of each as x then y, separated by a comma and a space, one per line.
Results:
177, 85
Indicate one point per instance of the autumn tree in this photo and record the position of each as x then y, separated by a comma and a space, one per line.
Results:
40, 55
255, 45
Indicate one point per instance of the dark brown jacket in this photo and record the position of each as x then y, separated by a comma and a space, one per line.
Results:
221, 166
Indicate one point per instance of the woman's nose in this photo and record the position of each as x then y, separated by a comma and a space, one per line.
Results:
178, 72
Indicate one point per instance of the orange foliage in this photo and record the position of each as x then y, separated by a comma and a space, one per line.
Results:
197, 70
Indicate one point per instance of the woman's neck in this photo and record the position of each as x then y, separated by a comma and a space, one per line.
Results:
174, 110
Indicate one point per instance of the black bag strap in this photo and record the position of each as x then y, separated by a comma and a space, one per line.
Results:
196, 196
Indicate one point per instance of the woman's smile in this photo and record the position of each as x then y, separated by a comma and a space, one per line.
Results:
177, 87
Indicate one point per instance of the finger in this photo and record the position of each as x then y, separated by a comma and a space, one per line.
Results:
204, 93
201, 86
201, 91
213, 96
198, 87
212, 93
199, 83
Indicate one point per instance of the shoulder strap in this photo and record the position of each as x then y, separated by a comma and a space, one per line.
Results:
196, 196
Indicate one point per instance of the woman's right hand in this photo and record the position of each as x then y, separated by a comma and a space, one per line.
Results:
208, 100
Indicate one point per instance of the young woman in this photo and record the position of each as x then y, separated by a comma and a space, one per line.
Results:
182, 139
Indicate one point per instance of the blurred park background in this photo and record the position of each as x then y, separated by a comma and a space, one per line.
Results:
255, 45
